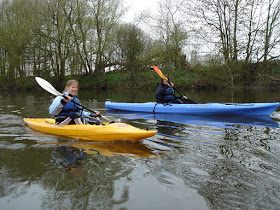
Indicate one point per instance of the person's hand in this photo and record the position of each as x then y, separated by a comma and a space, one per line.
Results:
185, 97
95, 114
67, 98
171, 84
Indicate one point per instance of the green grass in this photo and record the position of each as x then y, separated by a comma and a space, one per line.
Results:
197, 77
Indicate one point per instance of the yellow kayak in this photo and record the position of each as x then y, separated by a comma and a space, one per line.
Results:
108, 132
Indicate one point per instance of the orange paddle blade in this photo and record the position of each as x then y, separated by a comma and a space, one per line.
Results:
158, 71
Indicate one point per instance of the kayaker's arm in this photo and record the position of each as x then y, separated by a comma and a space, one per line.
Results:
57, 105
85, 113
162, 89
161, 92
89, 114
170, 84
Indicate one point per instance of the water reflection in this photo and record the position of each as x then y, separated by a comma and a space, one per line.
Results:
191, 164
110, 149
226, 159
95, 190
69, 158
222, 121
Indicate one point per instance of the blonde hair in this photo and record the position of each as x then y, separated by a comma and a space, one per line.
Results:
71, 82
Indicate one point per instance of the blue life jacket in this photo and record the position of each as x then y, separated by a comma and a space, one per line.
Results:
70, 108
167, 96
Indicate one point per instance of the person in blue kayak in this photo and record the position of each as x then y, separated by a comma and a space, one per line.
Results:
165, 94
66, 111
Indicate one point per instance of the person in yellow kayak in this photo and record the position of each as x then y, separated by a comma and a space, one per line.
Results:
66, 109
165, 94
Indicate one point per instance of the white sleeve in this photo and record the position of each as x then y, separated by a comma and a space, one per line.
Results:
56, 106
85, 113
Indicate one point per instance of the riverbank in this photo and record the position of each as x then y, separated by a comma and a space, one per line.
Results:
148, 80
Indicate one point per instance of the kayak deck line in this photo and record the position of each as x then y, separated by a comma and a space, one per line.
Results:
107, 132
202, 109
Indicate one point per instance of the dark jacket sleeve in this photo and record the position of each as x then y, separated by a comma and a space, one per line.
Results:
160, 92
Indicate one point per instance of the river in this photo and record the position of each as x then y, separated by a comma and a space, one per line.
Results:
197, 162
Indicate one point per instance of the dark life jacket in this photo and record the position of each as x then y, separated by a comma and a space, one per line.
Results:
165, 93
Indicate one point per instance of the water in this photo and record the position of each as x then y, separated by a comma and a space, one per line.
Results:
192, 163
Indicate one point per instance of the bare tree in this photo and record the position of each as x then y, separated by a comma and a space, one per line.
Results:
271, 36
16, 36
172, 33
77, 13
106, 14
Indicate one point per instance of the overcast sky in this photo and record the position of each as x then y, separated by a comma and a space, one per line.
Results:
135, 7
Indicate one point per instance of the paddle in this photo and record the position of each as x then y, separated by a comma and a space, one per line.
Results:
158, 71
48, 87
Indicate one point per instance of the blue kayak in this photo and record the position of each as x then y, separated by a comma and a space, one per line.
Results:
222, 121
202, 109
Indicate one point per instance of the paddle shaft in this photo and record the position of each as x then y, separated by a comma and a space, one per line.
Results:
48, 87
87, 109
159, 72
175, 89
79, 104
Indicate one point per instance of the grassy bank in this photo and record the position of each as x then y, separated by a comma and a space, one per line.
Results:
198, 77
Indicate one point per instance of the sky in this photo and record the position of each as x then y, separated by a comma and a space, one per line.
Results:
135, 7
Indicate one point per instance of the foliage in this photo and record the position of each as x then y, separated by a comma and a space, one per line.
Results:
130, 42
197, 77
240, 30
87, 40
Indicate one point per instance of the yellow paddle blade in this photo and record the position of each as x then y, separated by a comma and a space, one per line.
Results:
158, 71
